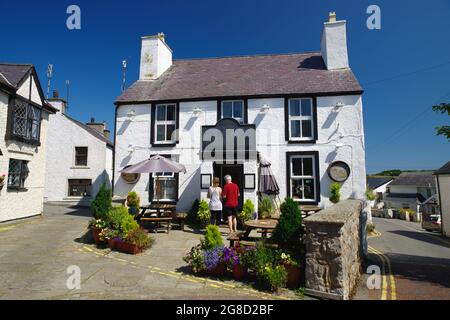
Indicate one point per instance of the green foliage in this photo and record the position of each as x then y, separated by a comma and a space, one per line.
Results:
274, 277
247, 211
370, 228
100, 224
443, 108
195, 258
335, 192
119, 219
102, 203
203, 214
288, 232
139, 238
133, 200
389, 173
213, 238
265, 208
300, 292
128, 224
370, 194
192, 214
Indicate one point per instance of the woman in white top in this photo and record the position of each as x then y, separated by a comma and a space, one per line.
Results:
215, 203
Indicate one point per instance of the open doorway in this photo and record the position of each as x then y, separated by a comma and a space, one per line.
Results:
236, 171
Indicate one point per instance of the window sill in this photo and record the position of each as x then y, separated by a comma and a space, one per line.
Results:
164, 144
80, 167
77, 198
313, 141
14, 189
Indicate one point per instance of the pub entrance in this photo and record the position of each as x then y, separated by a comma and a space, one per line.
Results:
236, 171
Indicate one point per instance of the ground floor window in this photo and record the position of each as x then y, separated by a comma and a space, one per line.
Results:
165, 186
80, 187
17, 174
303, 176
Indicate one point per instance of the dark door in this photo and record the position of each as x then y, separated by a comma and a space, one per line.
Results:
236, 171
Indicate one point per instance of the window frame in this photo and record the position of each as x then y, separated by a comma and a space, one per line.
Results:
165, 123
76, 155
154, 124
23, 174
301, 118
314, 155
79, 196
241, 120
164, 176
28, 119
244, 100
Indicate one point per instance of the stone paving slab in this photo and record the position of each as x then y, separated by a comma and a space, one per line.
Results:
35, 254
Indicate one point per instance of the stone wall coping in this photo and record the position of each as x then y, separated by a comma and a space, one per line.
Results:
336, 214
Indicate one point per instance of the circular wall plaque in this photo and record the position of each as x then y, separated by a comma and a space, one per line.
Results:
339, 171
130, 177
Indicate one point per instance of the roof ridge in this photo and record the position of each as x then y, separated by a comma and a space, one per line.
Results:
6, 79
251, 56
97, 134
16, 64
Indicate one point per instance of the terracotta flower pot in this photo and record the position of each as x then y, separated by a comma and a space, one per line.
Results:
96, 235
129, 248
218, 271
111, 243
239, 272
293, 277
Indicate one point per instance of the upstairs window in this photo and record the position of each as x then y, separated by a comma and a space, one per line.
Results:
81, 156
233, 109
26, 122
301, 121
165, 123
17, 174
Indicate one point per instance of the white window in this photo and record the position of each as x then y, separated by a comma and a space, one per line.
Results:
301, 119
167, 185
233, 109
165, 123
303, 178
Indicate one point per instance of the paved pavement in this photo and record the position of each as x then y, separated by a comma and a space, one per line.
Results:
35, 255
416, 262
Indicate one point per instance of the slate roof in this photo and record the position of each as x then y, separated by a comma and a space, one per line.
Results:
376, 182
419, 179
296, 73
398, 196
444, 170
92, 131
12, 74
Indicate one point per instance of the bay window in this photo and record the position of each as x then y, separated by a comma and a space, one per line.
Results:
26, 121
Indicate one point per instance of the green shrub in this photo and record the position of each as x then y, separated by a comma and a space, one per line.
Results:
213, 238
370, 228
247, 211
275, 277
192, 214
263, 256
288, 232
265, 208
102, 203
133, 200
128, 224
370, 195
115, 217
335, 192
139, 238
196, 259
203, 214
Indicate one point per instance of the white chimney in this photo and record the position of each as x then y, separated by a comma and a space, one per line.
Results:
334, 43
156, 57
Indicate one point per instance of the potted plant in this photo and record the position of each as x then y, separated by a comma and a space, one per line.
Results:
102, 203
96, 227
133, 203
233, 258
274, 277
335, 192
247, 211
110, 235
135, 242
2, 181
214, 264
212, 238
195, 259
293, 270
203, 214
265, 208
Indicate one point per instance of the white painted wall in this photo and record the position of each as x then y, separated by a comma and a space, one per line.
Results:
17, 205
444, 202
156, 58
334, 45
270, 142
64, 136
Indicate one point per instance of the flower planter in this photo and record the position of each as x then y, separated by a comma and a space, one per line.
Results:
239, 272
112, 243
293, 278
96, 235
127, 247
218, 271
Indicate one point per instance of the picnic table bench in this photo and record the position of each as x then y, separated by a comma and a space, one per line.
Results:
167, 220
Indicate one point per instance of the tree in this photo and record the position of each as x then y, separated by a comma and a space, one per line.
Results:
443, 108
102, 203
288, 232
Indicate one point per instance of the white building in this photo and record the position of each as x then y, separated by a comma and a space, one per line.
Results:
301, 111
379, 186
24, 117
79, 160
443, 185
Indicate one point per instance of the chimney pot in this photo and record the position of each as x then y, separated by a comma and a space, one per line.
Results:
55, 94
332, 17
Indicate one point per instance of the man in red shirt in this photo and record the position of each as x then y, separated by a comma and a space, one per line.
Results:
230, 195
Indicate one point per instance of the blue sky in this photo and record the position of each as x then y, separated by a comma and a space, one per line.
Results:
403, 67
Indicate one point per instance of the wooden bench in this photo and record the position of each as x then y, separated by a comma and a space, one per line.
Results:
168, 220
180, 218
235, 236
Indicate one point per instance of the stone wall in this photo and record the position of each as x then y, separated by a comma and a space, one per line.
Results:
334, 248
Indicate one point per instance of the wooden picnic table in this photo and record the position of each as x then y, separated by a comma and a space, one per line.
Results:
161, 210
265, 225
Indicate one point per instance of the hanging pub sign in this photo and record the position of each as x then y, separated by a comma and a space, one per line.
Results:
339, 171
